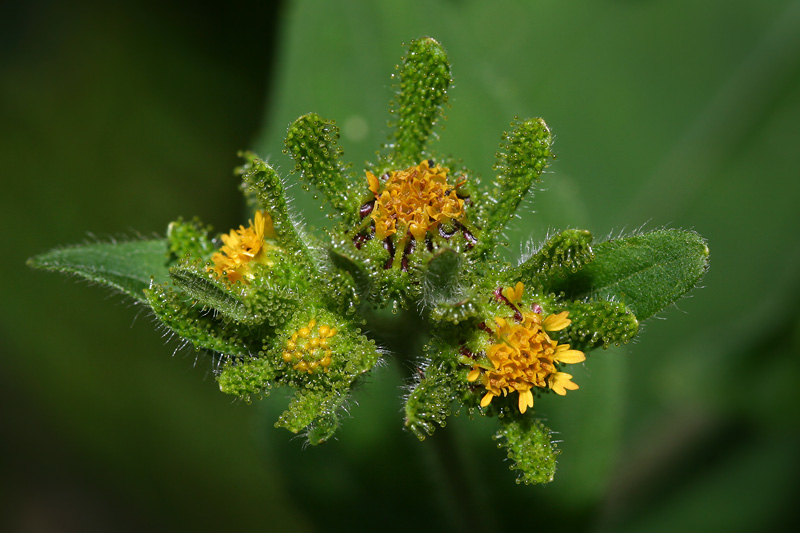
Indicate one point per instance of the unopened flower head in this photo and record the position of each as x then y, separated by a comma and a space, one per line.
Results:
307, 350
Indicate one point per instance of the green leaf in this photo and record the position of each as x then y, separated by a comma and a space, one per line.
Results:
563, 253
212, 294
428, 403
197, 325
311, 141
646, 272
598, 323
441, 276
422, 82
246, 377
261, 180
342, 258
315, 411
125, 266
268, 304
459, 310
189, 239
530, 448
525, 152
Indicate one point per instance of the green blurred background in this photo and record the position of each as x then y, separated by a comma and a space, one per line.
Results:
117, 118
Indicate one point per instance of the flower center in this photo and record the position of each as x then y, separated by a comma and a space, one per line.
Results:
416, 200
522, 355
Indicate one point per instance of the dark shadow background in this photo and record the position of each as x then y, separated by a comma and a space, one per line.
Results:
116, 119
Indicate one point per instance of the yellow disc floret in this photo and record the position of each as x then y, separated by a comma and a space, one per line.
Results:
243, 247
415, 200
523, 355
308, 350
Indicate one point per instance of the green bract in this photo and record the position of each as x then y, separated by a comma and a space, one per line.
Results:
278, 306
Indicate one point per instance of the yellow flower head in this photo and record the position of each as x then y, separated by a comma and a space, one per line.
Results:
307, 349
243, 247
524, 356
415, 200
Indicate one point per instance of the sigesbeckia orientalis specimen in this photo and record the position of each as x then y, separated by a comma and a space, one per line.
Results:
275, 305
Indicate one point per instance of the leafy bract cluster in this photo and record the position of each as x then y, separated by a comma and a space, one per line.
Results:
278, 306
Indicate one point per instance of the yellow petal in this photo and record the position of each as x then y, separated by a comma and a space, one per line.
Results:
487, 399
569, 356
374, 184
418, 231
514, 294
474, 374
525, 400
560, 382
519, 288
268, 230
556, 322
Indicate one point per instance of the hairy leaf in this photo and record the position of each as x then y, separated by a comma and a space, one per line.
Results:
598, 323
261, 180
531, 449
312, 143
562, 253
315, 411
441, 276
209, 292
646, 272
525, 152
246, 377
422, 82
125, 266
198, 326
428, 404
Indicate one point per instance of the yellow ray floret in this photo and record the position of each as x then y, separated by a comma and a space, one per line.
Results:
243, 247
415, 200
514, 295
523, 356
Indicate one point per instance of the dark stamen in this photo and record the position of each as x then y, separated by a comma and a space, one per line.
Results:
468, 353
360, 239
389, 246
366, 209
498, 295
444, 233
471, 240
409, 249
483, 327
